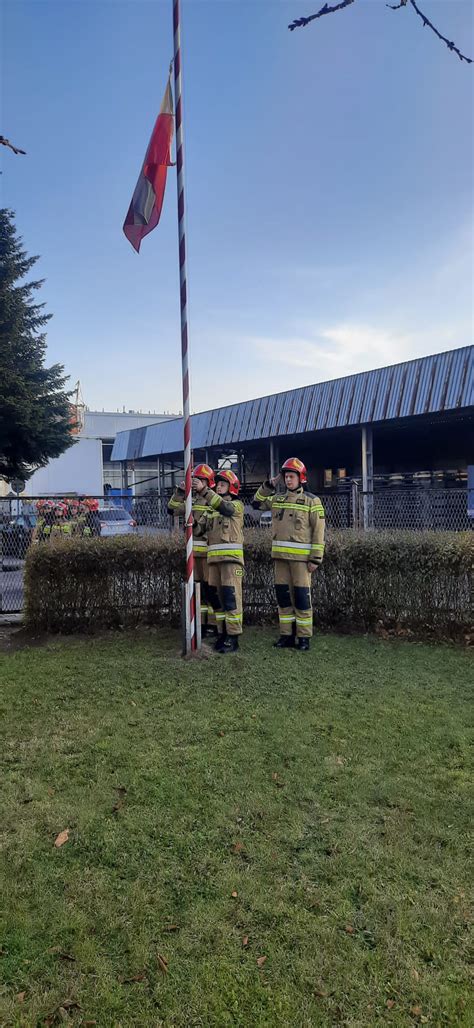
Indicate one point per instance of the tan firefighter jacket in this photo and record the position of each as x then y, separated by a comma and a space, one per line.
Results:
224, 527
297, 521
176, 506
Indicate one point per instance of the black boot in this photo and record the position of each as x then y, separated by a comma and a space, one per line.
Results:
302, 644
231, 644
285, 642
220, 641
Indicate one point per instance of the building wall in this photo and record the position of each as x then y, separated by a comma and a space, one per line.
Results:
82, 469
78, 470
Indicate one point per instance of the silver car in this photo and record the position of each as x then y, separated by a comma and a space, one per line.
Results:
116, 521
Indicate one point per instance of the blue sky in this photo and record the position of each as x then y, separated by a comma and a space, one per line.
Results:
329, 187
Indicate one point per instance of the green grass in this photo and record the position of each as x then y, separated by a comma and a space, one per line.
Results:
329, 791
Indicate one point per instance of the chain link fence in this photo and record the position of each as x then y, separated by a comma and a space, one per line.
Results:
434, 509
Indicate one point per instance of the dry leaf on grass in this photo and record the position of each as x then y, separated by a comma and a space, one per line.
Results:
349, 929
261, 961
238, 847
171, 928
20, 997
275, 776
162, 963
390, 1003
60, 840
140, 977
245, 941
416, 1011
234, 894
415, 974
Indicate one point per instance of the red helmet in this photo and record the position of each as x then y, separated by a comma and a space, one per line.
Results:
296, 465
60, 509
228, 476
91, 504
205, 472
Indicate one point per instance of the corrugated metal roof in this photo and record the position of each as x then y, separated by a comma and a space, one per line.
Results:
424, 386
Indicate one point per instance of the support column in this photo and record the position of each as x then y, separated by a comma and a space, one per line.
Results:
367, 478
274, 459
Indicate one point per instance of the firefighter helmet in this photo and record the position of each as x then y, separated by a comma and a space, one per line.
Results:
296, 465
228, 476
91, 504
60, 509
206, 473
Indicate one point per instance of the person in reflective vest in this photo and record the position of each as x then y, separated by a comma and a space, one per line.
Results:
202, 473
224, 528
297, 549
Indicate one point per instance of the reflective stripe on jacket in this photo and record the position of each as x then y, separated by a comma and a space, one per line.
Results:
199, 508
298, 523
223, 526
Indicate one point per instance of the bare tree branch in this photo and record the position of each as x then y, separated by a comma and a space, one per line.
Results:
449, 44
6, 142
300, 23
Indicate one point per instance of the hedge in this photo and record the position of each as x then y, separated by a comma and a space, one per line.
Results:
417, 584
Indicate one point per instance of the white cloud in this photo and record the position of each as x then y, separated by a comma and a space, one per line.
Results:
349, 347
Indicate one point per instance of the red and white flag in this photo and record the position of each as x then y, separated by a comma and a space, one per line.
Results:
145, 209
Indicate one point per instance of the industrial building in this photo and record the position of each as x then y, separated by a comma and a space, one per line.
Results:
87, 467
394, 430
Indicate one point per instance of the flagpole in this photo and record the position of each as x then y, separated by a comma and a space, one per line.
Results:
190, 622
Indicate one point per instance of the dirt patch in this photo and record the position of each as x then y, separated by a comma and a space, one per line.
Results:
14, 637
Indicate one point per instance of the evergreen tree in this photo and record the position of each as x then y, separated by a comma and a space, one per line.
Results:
35, 414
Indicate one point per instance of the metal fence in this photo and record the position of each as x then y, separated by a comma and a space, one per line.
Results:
434, 509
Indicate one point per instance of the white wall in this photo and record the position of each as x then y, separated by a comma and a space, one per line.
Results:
106, 424
78, 470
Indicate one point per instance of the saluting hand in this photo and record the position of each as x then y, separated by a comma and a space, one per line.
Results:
274, 481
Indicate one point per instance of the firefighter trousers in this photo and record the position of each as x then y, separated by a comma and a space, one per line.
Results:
201, 575
225, 594
293, 594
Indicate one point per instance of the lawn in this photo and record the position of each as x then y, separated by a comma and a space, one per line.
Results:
273, 839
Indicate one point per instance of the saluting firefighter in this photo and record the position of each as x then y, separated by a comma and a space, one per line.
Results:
297, 550
203, 474
224, 528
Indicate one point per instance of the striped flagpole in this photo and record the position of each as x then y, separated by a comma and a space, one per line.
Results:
190, 620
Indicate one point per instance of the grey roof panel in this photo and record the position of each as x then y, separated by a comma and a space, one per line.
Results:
425, 385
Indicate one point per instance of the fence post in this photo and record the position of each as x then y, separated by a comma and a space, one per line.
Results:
367, 478
354, 504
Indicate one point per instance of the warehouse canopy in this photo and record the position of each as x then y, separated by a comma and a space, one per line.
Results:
427, 385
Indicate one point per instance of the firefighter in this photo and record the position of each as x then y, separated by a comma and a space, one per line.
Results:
88, 517
224, 528
204, 475
297, 550
45, 521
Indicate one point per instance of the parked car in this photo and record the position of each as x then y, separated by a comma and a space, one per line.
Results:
116, 521
266, 519
16, 534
